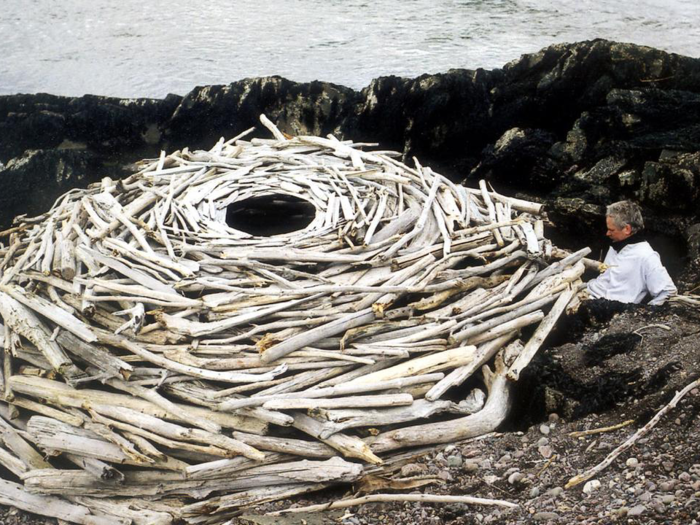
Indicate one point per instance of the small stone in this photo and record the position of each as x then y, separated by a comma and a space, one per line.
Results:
412, 469
542, 442
505, 459
646, 497
685, 477
534, 492
553, 417
445, 475
545, 516
518, 454
556, 491
632, 462
454, 461
637, 510
471, 466
666, 486
545, 451
696, 485
668, 498
449, 449
668, 465
591, 486
516, 477
658, 507
485, 464
491, 479
621, 512
544, 429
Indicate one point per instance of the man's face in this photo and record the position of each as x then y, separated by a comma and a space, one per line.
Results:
617, 234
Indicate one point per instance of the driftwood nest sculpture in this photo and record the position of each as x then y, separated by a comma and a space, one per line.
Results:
162, 365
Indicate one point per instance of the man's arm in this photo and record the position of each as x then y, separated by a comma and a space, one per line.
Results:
658, 282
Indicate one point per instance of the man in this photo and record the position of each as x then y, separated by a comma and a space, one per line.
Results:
634, 269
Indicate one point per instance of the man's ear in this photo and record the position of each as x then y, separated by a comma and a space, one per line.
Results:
627, 229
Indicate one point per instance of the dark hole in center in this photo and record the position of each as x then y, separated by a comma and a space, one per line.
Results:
270, 214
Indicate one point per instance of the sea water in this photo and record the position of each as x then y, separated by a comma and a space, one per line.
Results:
149, 48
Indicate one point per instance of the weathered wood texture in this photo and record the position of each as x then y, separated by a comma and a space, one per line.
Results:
153, 350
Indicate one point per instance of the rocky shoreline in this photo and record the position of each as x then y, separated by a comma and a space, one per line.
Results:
574, 126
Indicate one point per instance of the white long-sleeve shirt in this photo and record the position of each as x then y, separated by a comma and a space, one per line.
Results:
633, 272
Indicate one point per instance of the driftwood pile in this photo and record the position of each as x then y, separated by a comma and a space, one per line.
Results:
161, 365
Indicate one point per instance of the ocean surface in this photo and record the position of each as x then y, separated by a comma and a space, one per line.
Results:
149, 48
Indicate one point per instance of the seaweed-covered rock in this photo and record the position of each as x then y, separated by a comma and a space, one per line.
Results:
23, 180
521, 157
673, 183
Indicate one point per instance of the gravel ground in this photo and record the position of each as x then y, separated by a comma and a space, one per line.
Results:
605, 370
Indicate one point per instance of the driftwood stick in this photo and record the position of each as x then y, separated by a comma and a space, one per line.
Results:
540, 334
315, 334
101, 470
611, 428
73, 419
348, 445
18, 445
52, 312
173, 431
229, 377
23, 321
396, 498
135, 511
580, 478
199, 329
421, 365
332, 391
249, 497
340, 402
12, 463
340, 420
153, 483
484, 353
62, 394
95, 355
11, 342
296, 447
162, 402
486, 420
13, 494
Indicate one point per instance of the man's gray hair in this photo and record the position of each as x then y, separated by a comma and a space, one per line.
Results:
624, 213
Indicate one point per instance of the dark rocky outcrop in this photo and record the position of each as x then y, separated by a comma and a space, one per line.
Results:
576, 125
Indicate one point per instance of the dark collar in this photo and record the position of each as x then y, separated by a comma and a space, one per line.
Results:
635, 238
